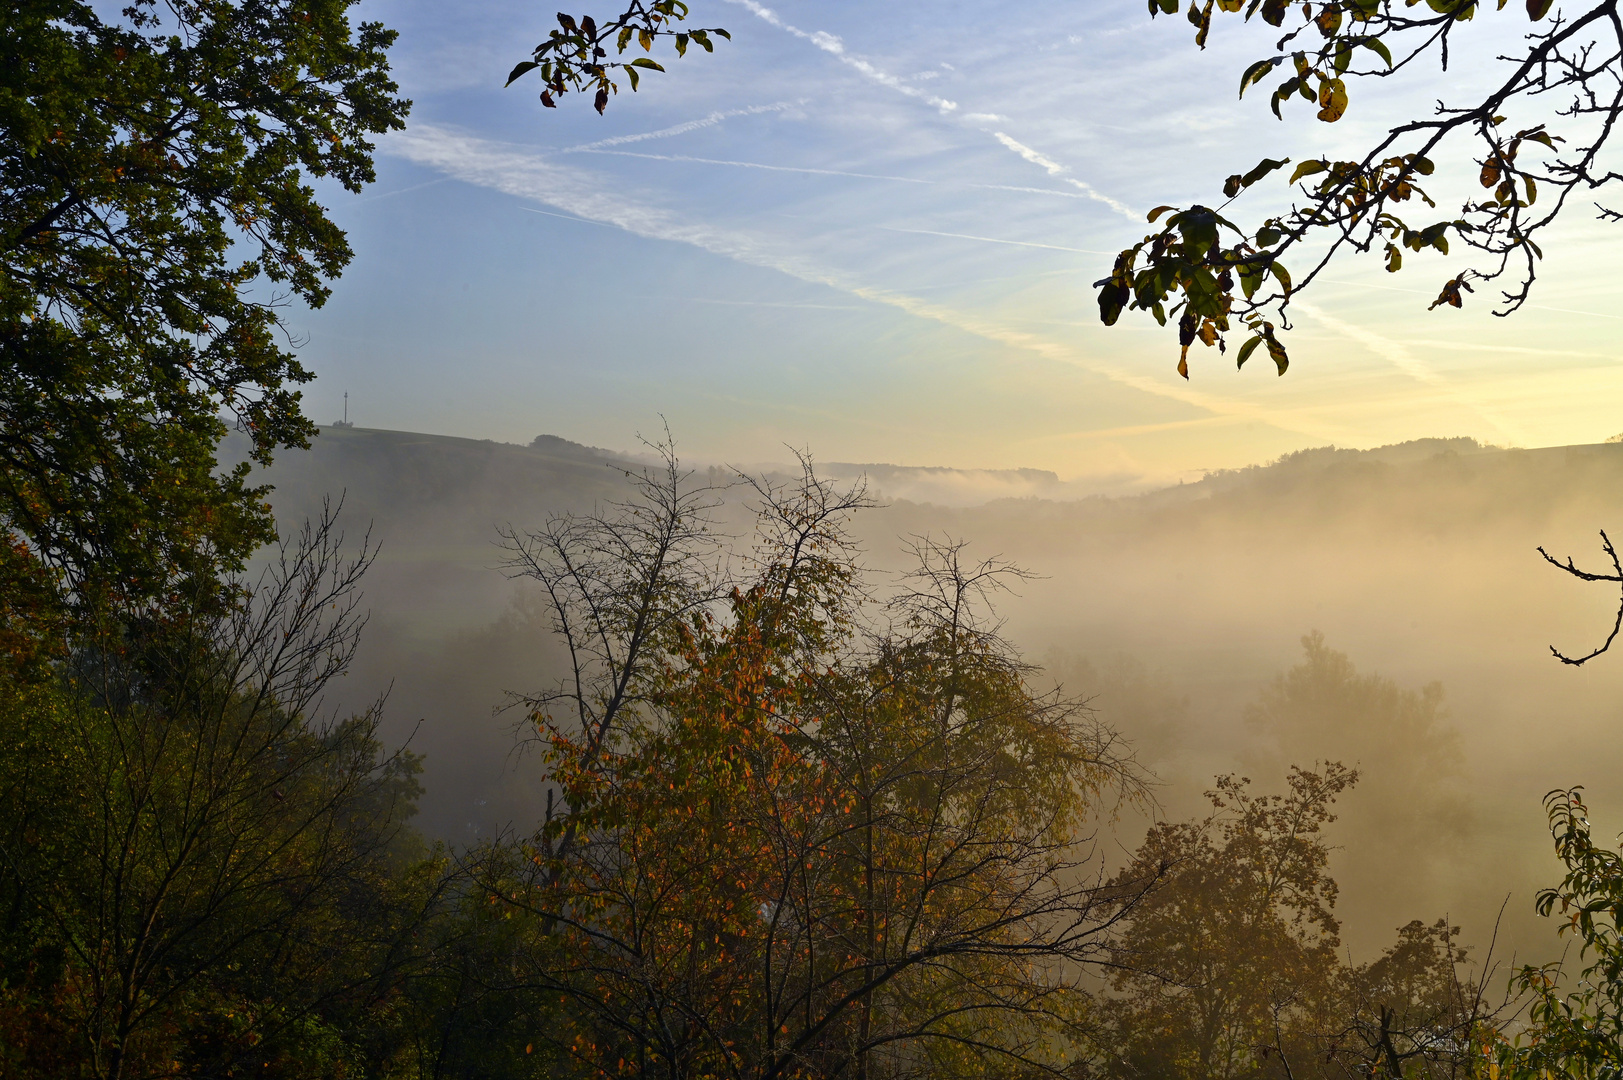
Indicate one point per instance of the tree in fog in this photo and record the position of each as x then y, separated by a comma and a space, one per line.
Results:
802, 828
200, 875
1236, 950
1231, 967
1412, 807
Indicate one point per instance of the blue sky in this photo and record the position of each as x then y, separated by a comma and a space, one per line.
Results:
871, 230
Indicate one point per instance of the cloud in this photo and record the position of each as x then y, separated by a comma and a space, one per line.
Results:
832, 45
528, 175
682, 129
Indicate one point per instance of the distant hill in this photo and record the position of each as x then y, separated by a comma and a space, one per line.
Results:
1173, 608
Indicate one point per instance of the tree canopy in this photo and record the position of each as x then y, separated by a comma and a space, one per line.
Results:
157, 219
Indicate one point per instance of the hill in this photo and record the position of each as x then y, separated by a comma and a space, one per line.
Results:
1174, 609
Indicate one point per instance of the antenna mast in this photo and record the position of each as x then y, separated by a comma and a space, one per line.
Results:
346, 408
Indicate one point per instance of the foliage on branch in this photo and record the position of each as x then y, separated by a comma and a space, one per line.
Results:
157, 218
1575, 1026
575, 57
1214, 278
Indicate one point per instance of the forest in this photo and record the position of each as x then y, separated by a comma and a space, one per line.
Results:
342, 752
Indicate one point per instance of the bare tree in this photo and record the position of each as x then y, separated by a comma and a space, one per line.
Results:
1615, 576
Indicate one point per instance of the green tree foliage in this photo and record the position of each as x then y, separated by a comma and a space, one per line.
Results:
576, 55
1213, 277
795, 835
1240, 942
1575, 1026
1230, 969
157, 215
198, 878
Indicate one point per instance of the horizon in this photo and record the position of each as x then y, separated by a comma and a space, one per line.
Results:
757, 233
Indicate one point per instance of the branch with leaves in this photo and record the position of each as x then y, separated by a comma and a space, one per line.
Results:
576, 55
1213, 277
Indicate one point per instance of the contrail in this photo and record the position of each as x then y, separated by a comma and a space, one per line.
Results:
995, 240
682, 129
836, 48
833, 172
1398, 355
832, 45
529, 176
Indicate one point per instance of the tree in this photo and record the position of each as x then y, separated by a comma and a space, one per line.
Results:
1238, 944
810, 841
1213, 277
1229, 967
1411, 790
156, 219
575, 56
198, 876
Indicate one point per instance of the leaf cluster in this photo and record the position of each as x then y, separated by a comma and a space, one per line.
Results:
575, 56
1358, 204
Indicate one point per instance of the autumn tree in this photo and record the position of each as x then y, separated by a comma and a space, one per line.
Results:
157, 219
824, 831
1534, 141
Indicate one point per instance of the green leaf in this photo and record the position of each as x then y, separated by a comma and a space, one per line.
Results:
1157, 212
1247, 349
1277, 351
1268, 237
1308, 168
1283, 275
1537, 9
644, 62
528, 65
1255, 72
1263, 168
1378, 47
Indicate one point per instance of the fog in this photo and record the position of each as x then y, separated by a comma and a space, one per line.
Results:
1384, 608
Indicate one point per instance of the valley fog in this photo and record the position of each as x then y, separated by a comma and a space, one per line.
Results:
1387, 609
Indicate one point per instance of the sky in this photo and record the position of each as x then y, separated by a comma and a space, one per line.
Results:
871, 231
